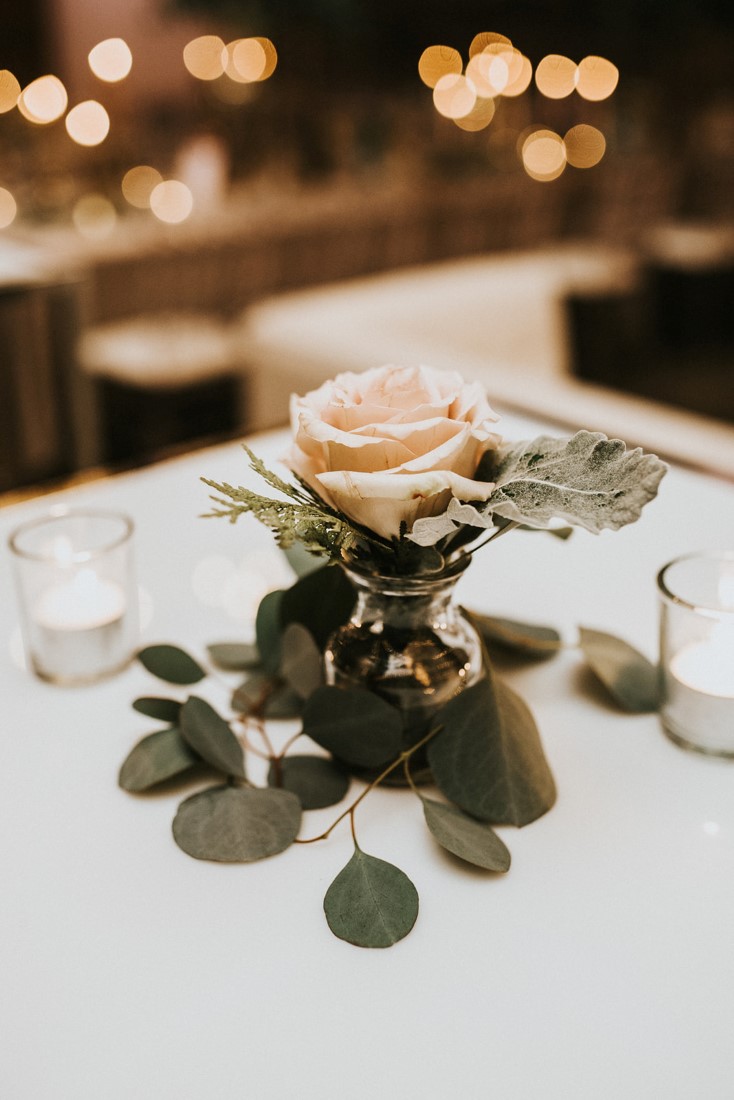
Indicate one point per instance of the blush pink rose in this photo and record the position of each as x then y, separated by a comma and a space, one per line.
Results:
393, 444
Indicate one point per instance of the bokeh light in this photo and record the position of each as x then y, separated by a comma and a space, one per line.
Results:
171, 201
585, 146
94, 217
438, 61
519, 78
8, 208
43, 100
88, 123
271, 57
9, 91
543, 155
248, 59
596, 78
454, 96
479, 117
138, 184
204, 57
555, 76
480, 41
111, 60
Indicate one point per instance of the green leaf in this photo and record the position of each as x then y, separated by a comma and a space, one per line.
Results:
301, 663
170, 663
268, 630
371, 903
209, 735
253, 693
488, 758
158, 757
234, 656
355, 725
631, 680
529, 639
283, 703
302, 561
167, 710
471, 840
322, 601
315, 781
237, 824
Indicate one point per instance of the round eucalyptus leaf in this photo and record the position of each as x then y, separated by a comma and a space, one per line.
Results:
355, 725
211, 737
253, 692
321, 601
631, 680
283, 703
316, 781
234, 656
301, 663
167, 710
268, 630
172, 664
158, 757
371, 903
525, 639
471, 840
237, 824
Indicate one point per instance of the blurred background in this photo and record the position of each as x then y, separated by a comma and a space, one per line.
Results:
207, 204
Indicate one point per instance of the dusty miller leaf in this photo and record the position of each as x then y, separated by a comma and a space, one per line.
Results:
488, 758
371, 903
158, 757
170, 663
210, 736
471, 840
236, 824
631, 680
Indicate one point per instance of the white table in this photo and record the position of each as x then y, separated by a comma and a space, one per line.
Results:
601, 966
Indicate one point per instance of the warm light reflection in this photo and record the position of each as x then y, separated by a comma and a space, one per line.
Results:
43, 100
248, 58
204, 57
171, 201
230, 68
8, 208
138, 184
454, 96
232, 92
88, 123
520, 83
271, 57
487, 38
596, 78
94, 217
479, 117
585, 146
9, 91
111, 60
543, 155
438, 61
555, 76
489, 72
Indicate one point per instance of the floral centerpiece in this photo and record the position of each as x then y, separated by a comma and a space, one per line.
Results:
399, 477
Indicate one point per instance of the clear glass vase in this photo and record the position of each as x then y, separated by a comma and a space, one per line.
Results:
410, 643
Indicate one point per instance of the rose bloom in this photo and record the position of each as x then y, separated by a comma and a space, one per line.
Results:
392, 444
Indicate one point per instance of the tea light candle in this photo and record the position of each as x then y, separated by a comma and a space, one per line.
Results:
77, 595
697, 652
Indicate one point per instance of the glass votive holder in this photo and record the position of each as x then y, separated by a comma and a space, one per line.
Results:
697, 651
77, 593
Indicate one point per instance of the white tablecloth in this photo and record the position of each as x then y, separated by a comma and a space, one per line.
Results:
601, 966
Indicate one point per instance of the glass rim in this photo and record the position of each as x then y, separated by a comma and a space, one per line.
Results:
681, 601
63, 511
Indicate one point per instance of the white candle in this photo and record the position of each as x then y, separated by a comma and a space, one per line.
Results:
708, 666
82, 603
700, 691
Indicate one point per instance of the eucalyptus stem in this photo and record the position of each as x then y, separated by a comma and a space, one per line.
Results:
349, 812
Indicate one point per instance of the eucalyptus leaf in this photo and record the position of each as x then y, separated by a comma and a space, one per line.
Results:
488, 758
283, 703
529, 639
301, 560
268, 629
321, 601
237, 824
234, 656
316, 781
471, 840
167, 710
211, 737
301, 663
355, 725
170, 663
159, 756
628, 676
253, 693
371, 903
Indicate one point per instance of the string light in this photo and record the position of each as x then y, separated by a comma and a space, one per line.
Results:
171, 201
543, 155
9, 91
111, 60
585, 146
555, 76
8, 208
596, 78
88, 123
138, 184
204, 57
43, 100
454, 96
438, 61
